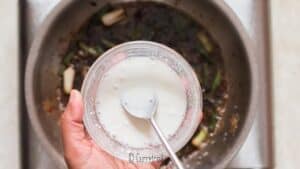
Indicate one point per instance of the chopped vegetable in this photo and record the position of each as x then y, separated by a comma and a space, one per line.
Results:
108, 43
113, 17
67, 59
234, 120
61, 70
204, 53
84, 70
81, 53
103, 11
48, 105
212, 121
200, 137
69, 75
88, 49
217, 81
205, 41
99, 50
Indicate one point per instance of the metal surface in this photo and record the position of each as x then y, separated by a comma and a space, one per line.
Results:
255, 153
148, 116
172, 154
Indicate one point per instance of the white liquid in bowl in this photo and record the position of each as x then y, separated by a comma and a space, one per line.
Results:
146, 75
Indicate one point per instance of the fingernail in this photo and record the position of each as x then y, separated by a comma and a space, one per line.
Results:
73, 96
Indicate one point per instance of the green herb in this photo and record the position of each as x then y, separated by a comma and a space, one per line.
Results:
99, 50
212, 121
61, 70
202, 72
108, 43
67, 59
202, 37
88, 49
204, 53
217, 81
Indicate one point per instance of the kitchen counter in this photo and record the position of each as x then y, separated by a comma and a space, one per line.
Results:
286, 81
9, 97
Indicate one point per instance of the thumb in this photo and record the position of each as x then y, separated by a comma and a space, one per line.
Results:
74, 110
72, 127
75, 142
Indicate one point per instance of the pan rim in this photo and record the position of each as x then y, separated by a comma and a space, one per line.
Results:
61, 6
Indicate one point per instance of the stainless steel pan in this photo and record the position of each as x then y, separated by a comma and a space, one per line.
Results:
68, 16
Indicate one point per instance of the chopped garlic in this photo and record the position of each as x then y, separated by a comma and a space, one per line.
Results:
69, 75
113, 17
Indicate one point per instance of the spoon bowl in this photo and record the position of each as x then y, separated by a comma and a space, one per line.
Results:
147, 106
146, 109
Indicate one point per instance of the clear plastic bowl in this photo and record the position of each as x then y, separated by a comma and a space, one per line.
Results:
153, 50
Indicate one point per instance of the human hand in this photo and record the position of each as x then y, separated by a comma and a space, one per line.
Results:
79, 149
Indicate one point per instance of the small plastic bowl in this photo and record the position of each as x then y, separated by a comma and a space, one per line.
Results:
153, 50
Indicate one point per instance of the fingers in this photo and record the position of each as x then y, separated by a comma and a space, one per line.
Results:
77, 148
153, 165
72, 128
74, 110
156, 164
71, 121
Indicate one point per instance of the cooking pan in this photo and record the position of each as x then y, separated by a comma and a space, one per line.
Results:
66, 19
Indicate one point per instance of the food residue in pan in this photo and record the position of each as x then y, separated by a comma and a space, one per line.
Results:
153, 22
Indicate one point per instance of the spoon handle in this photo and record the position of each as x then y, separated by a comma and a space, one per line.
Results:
172, 154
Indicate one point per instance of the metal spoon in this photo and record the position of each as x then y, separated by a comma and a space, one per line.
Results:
146, 110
